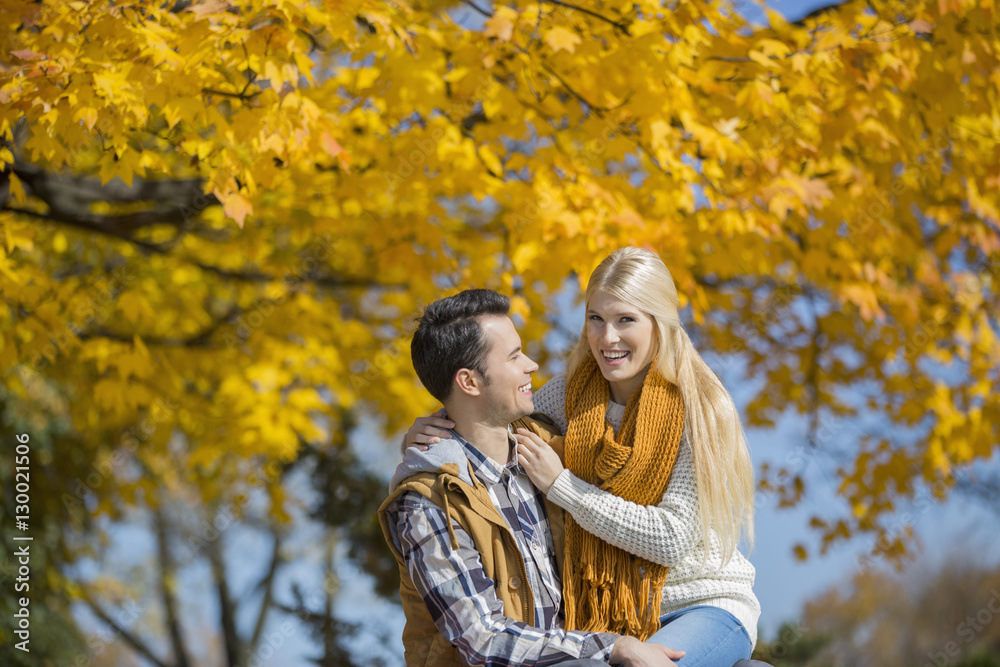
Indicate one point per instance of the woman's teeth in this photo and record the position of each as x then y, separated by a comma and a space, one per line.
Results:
524, 388
615, 355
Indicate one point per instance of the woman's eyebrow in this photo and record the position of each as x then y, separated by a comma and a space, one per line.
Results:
619, 313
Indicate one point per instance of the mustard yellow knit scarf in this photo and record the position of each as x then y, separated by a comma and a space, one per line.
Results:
607, 589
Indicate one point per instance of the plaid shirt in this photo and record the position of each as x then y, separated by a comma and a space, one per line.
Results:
460, 596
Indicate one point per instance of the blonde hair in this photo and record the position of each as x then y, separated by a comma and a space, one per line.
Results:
721, 457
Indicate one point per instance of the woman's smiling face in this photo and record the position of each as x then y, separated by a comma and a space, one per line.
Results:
623, 341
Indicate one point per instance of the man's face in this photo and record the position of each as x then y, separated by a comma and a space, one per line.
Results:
507, 395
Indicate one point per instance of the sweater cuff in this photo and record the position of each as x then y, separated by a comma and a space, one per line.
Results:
567, 491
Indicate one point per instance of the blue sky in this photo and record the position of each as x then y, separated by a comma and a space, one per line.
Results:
790, 9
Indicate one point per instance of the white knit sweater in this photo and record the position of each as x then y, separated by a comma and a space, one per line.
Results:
668, 534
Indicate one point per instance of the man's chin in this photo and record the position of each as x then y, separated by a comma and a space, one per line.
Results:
522, 411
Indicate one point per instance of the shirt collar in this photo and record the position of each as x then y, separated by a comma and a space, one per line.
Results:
486, 469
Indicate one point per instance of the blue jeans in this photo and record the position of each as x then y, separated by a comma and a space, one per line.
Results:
709, 636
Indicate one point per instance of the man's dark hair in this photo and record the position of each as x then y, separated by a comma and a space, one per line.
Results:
448, 338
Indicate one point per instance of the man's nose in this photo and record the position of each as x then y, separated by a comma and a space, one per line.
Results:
532, 366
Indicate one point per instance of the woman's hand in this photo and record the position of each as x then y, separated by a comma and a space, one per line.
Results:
427, 431
538, 459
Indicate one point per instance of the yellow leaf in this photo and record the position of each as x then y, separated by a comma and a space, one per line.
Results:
107, 393
524, 255
27, 54
140, 347
519, 308
659, 130
334, 149
365, 77
209, 7
273, 74
864, 297
305, 65
108, 82
456, 74
88, 115
727, 128
16, 190
813, 191
772, 47
235, 206
560, 38
134, 306
133, 364
761, 59
501, 25
799, 62
490, 160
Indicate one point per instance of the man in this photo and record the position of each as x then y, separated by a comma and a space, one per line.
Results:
467, 527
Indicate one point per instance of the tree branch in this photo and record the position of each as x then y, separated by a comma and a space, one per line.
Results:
167, 573
620, 27
164, 249
158, 248
478, 9
227, 610
268, 584
69, 199
48, 186
321, 281
240, 96
595, 108
137, 644
199, 340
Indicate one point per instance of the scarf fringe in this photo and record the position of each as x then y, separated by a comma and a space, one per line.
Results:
607, 589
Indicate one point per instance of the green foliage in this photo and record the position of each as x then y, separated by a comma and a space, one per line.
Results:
791, 647
940, 617
984, 657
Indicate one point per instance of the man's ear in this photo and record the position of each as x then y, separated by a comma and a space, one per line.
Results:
468, 381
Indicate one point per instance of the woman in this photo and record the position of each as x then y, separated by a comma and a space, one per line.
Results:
657, 484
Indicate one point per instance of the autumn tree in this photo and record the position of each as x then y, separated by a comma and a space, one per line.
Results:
219, 217
929, 616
